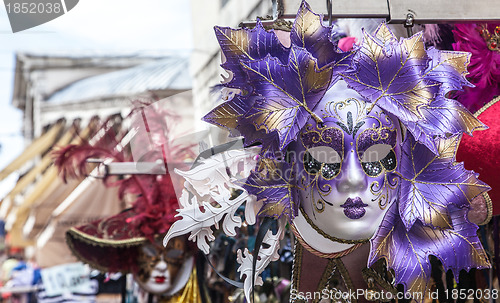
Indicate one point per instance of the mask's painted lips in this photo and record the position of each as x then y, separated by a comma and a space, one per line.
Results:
354, 208
160, 279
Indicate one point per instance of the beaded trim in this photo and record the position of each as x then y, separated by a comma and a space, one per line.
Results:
321, 254
492, 39
329, 237
486, 106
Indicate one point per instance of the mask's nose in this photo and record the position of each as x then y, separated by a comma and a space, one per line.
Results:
161, 265
351, 179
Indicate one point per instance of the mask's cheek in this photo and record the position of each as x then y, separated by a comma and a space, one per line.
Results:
173, 270
385, 189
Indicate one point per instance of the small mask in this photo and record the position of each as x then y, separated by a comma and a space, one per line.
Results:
158, 266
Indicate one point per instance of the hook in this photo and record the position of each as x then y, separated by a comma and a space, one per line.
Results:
410, 18
329, 8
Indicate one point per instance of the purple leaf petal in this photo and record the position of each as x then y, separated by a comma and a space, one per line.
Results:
271, 183
390, 75
308, 32
407, 252
291, 92
430, 183
229, 113
240, 45
449, 68
410, 82
444, 117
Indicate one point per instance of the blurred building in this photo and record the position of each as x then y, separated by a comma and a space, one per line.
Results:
60, 97
55, 90
48, 87
206, 57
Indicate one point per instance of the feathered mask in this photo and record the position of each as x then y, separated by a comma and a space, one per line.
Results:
483, 42
114, 243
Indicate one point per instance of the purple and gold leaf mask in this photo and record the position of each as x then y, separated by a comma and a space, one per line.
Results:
360, 146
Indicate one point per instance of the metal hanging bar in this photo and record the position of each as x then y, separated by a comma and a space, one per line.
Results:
394, 11
287, 9
106, 168
329, 7
444, 11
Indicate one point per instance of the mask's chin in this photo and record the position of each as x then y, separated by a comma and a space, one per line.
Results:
153, 286
353, 219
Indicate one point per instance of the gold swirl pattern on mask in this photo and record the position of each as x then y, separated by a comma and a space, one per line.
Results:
383, 192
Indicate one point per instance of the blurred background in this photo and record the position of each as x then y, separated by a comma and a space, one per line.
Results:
95, 61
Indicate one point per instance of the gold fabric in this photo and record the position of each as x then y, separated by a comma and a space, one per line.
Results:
190, 293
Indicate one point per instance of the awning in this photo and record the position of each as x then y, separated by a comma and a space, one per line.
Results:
42, 190
91, 200
32, 174
37, 147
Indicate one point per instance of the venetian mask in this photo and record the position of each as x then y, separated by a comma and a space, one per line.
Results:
159, 267
349, 175
346, 165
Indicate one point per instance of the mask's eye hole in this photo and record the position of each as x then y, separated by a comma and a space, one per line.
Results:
372, 169
173, 254
149, 251
376, 153
376, 158
324, 159
330, 170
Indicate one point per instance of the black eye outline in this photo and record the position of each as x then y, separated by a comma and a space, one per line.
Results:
375, 169
311, 165
390, 162
314, 167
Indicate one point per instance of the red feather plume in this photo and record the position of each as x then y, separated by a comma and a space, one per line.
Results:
154, 198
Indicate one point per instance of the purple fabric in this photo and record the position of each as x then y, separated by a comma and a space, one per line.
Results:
484, 66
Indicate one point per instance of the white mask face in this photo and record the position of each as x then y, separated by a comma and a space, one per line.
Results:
347, 165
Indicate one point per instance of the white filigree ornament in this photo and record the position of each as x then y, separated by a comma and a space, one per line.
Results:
267, 253
211, 196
